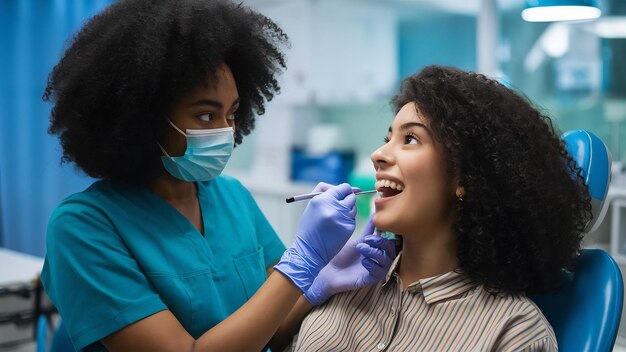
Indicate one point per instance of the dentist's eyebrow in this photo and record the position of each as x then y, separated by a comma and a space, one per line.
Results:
213, 103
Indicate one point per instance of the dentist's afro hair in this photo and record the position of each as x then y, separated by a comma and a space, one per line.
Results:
122, 71
525, 206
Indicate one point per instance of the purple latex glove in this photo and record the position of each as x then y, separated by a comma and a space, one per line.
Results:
361, 262
325, 226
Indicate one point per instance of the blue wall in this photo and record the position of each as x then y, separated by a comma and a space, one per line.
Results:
443, 39
32, 180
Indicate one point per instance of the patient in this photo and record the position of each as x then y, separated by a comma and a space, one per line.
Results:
489, 207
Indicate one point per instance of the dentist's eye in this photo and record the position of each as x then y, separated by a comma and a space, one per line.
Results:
206, 117
231, 117
386, 139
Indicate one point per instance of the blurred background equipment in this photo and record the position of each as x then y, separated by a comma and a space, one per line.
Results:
19, 275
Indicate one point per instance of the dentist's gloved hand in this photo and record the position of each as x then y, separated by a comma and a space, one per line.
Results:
325, 226
361, 262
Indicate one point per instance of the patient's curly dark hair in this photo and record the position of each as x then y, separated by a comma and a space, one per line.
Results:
525, 206
114, 84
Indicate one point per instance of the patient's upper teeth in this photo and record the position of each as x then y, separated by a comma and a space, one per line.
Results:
389, 184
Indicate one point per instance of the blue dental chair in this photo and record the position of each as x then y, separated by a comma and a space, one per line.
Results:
585, 313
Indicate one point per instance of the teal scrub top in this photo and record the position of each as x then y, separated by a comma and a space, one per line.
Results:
117, 254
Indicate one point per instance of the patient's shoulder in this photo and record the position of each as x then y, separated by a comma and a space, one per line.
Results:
523, 325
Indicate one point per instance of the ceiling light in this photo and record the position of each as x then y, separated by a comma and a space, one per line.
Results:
560, 10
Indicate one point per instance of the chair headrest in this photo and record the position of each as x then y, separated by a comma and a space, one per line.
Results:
594, 159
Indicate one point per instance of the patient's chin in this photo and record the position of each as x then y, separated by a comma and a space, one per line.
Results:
382, 222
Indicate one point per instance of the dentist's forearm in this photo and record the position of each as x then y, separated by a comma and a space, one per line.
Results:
291, 325
252, 325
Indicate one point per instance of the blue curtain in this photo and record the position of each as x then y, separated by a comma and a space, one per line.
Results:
33, 34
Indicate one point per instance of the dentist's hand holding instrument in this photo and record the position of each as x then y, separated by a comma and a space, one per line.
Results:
325, 226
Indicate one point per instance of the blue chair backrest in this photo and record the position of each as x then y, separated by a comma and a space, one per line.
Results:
593, 158
585, 312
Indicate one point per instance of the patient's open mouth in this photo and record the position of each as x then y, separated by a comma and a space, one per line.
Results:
387, 188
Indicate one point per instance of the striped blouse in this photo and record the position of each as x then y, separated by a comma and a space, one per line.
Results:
448, 312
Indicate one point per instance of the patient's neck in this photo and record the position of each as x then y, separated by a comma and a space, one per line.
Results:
427, 256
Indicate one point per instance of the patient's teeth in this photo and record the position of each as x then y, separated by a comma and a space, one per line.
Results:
389, 184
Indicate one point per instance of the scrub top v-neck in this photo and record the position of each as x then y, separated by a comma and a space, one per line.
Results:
118, 254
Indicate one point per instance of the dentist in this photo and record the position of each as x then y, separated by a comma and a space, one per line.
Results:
162, 253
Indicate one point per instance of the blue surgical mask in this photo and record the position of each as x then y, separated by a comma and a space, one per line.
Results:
206, 155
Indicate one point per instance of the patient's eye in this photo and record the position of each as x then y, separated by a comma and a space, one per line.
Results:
410, 138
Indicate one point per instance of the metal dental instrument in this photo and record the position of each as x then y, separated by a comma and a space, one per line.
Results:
311, 195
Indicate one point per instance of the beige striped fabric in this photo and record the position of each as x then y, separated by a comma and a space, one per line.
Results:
443, 313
